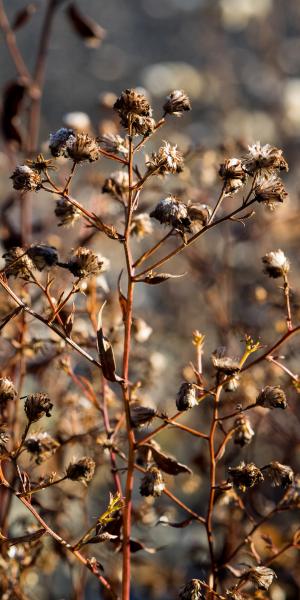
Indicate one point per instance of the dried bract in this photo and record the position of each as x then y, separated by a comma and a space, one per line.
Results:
281, 475
152, 483
233, 175
245, 475
18, 263
264, 159
276, 264
85, 263
167, 160
187, 396
272, 396
66, 212
40, 164
58, 141
177, 103
36, 406
171, 211
191, 591
81, 470
26, 179
243, 431
81, 147
43, 256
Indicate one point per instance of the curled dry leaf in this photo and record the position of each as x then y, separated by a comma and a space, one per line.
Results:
106, 352
22, 539
166, 463
12, 101
180, 525
92, 33
154, 278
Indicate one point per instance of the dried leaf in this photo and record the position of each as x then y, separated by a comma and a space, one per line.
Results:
10, 316
122, 299
86, 28
70, 321
24, 15
94, 565
155, 278
167, 463
28, 537
106, 352
165, 521
98, 539
12, 102
136, 546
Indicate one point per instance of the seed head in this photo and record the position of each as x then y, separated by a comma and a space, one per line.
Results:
199, 214
272, 396
167, 160
85, 263
43, 256
152, 483
141, 330
66, 212
117, 184
264, 159
291, 498
36, 406
171, 211
58, 141
113, 143
224, 364
7, 392
243, 433
232, 384
281, 475
270, 191
142, 125
41, 446
130, 105
276, 264
233, 175
18, 263
262, 577
141, 226
81, 470
141, 415
245, 475
187, 396
177, 103
191, 591
81, 147
26, 179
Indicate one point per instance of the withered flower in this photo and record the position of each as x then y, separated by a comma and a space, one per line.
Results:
26, 179
243, 431
245, 475
171, 211
7, 392
85, 263
264, 159
276, 264
81, 147
141, 415
272, 396
81, 470
131, 104
58, 141
177, 103
66, 212
43, 256
41, 446
142, 125
191, 591
141, 330
270, 191
117, 184
262, 577
40, 164
291, 498
187, 396
18, 263
36, 406
199, 214
167, 160
113, 143
233, 175
141, 225
281, 475
152, 483
232, 384
224, 364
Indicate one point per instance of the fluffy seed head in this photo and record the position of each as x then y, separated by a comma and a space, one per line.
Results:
141, 415
224, 364
43, 256
152, 483
276, 264
264, 159
66, 212
117, 184
7, 392
141, 225
281, 475
245, 475
41, 446
233, 175
81, 470
85, 263
113, 143
191, 591
270, 191
171, 211
177, 103
82, 147
36, 406
130, 105
58, 141
262, 577
187, 396
272, 396
243, 433
26, 179
167, 160
18, 263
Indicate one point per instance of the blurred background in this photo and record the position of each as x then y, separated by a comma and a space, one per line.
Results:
239, 62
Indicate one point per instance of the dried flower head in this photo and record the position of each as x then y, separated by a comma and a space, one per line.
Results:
171, 211
245, 475
117, 184
281, 475
43, 256
152, 483
81, 470
233, 175
270, 191
36, 406
40, 164
141, 330
81, 147
264, 159
232, 384
66, 212
141, 415
224, 364
141, 225
18, 263
142, 125
272, 396
7, 392
41, 446
85, 263
262, 577
191, 591
26, 179
131, 104
243, 431
199, 214
167, 160
276, 264
187, 396
177, 103
113, 143
58, 141
291, 498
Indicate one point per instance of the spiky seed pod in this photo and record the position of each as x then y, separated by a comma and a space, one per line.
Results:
171, 211
272, 396
191, 591
113, 143
66, 212
233, 175
36, 406
85, 263
18, 263
243, 431
245, 475
152, 483
141, 415
43, 256
224, 364
82, 147
264, 159
270, 191
177, 103
167, 160
187, 396
281, 475
130, 104
41, 446
262, 577
7, 392
26, 179
58, 141
276, 264
81, 470
141, 225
